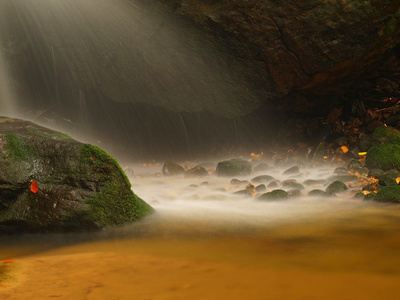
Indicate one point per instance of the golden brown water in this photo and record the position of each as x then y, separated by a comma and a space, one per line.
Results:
202, 245
344, 255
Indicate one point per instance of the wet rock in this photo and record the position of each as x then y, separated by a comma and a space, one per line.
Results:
387, 180
234, 167
197, 171
275, 195
376, 173
310, 182
394, 173
386, 135
292, 185
383, 157
317, 193
386, 194
273, 184
354, 165
261, 167
340, 171
235, 181
364, 143
50, 182
294, 193
171, 168
262, 179
359, 195
336, 187
291, 171
261, 188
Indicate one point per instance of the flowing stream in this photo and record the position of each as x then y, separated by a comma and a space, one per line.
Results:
205, 242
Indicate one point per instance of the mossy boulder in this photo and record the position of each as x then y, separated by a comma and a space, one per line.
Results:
292, 185
386, 135
262, 179
50, 182
317, 193
385, 194
275, 195
336, 187
234, 167
384, 156
387, 180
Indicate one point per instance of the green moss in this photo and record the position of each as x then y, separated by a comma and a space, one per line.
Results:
274, 195
115, 205
46, 135
388, 194
94, 155
386, 135
383, 157
336, 187
17, 148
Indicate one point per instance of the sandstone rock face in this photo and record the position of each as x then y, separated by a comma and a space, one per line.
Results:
50, 182
311, 46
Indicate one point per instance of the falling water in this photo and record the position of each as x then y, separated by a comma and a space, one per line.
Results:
123, 70
7, 101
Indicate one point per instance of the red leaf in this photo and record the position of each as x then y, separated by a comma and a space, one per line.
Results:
34, 187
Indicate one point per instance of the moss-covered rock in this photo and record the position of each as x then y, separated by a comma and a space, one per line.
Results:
384, 156
292, 185
336, 187
262, 179
386, 194
386, 135
275, 195
317, 193
234, 167
376, 173
387, 180
50, 182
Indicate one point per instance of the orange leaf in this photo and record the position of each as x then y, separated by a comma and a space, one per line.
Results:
344, 149
7, 261
34, 187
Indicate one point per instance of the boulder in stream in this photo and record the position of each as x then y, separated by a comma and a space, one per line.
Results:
51, 182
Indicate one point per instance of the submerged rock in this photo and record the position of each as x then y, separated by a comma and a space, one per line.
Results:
50, 182
198, 171
291, 171
234, 167
385, 194
336, 187
274, 195
171, 168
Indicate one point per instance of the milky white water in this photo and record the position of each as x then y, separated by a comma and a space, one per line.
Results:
204, 242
